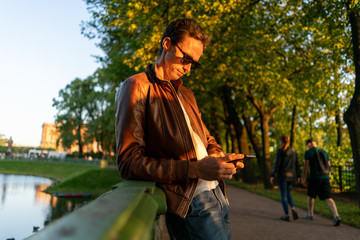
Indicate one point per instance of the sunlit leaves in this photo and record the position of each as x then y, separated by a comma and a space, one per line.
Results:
282, 52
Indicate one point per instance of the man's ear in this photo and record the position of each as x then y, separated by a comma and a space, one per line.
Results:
167, 44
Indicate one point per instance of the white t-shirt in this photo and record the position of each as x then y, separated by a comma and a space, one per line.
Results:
201, 152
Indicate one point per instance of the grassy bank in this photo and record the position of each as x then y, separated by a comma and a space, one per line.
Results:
57, 171
348, 212
69, 178
95, 182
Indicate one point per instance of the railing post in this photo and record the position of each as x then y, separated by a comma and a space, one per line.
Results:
340, 179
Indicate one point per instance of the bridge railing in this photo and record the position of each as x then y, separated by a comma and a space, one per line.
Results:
129, 211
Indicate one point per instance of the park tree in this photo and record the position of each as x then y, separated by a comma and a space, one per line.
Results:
341, 21
131, 31
74, 112
266, 59
352, 114
264, 52
97, 124
3, 140
330, 18
107, 82
274, 59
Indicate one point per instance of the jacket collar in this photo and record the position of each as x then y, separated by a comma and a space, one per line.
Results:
150, 72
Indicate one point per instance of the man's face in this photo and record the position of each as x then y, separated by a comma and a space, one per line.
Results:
174, 66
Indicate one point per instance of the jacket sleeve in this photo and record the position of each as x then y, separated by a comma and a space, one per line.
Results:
133, 164
276, 164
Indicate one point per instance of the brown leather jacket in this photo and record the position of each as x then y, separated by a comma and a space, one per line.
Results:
153, 140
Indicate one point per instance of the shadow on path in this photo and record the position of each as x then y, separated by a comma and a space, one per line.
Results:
254, 217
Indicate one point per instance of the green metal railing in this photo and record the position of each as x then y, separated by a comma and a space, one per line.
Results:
129, 211
343, 178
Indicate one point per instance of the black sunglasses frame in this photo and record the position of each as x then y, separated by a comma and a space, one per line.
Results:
186, 59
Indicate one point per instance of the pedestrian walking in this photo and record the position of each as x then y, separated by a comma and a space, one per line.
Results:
318, 182
287, 170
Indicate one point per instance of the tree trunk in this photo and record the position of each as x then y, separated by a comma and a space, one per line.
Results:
229, 122
79, 139
113, 149
293, 127
237, 133
235, 144
227, 135
265, 118
214, 125
247, 172
232, 118
265, 150
234, 141
339, 129
250, 129
310, 126
352, 115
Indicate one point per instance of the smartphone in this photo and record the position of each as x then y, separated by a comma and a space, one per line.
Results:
247, 157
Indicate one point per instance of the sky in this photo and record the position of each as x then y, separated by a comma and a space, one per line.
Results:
41, 51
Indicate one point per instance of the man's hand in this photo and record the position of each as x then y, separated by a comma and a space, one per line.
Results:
235, 156
216, 167
303, 181
272, 180
230, 157
299, 180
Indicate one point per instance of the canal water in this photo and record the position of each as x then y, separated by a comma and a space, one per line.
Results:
25, 209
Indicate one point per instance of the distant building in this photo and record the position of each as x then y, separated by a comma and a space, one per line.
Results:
50, 135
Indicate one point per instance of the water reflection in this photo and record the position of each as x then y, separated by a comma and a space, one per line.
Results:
25, 209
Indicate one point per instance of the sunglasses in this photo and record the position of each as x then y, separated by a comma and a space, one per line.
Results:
186, 59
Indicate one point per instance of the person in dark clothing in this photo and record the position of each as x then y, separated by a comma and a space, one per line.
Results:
318, 184
287, 169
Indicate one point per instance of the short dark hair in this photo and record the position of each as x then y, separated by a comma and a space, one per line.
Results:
310, 140
181, 28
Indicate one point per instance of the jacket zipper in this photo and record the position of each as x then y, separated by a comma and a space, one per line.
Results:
194, 188
179, 105
191, 194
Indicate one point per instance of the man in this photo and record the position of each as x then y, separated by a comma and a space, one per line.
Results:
318, 184
160, 137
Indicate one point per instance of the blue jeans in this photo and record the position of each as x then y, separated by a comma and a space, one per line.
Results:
208, 218
285, 193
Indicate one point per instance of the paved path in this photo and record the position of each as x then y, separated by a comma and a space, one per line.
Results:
254, 217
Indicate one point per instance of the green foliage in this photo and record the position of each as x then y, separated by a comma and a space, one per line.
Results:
340, 155
72, 114
273, 55
3, 141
